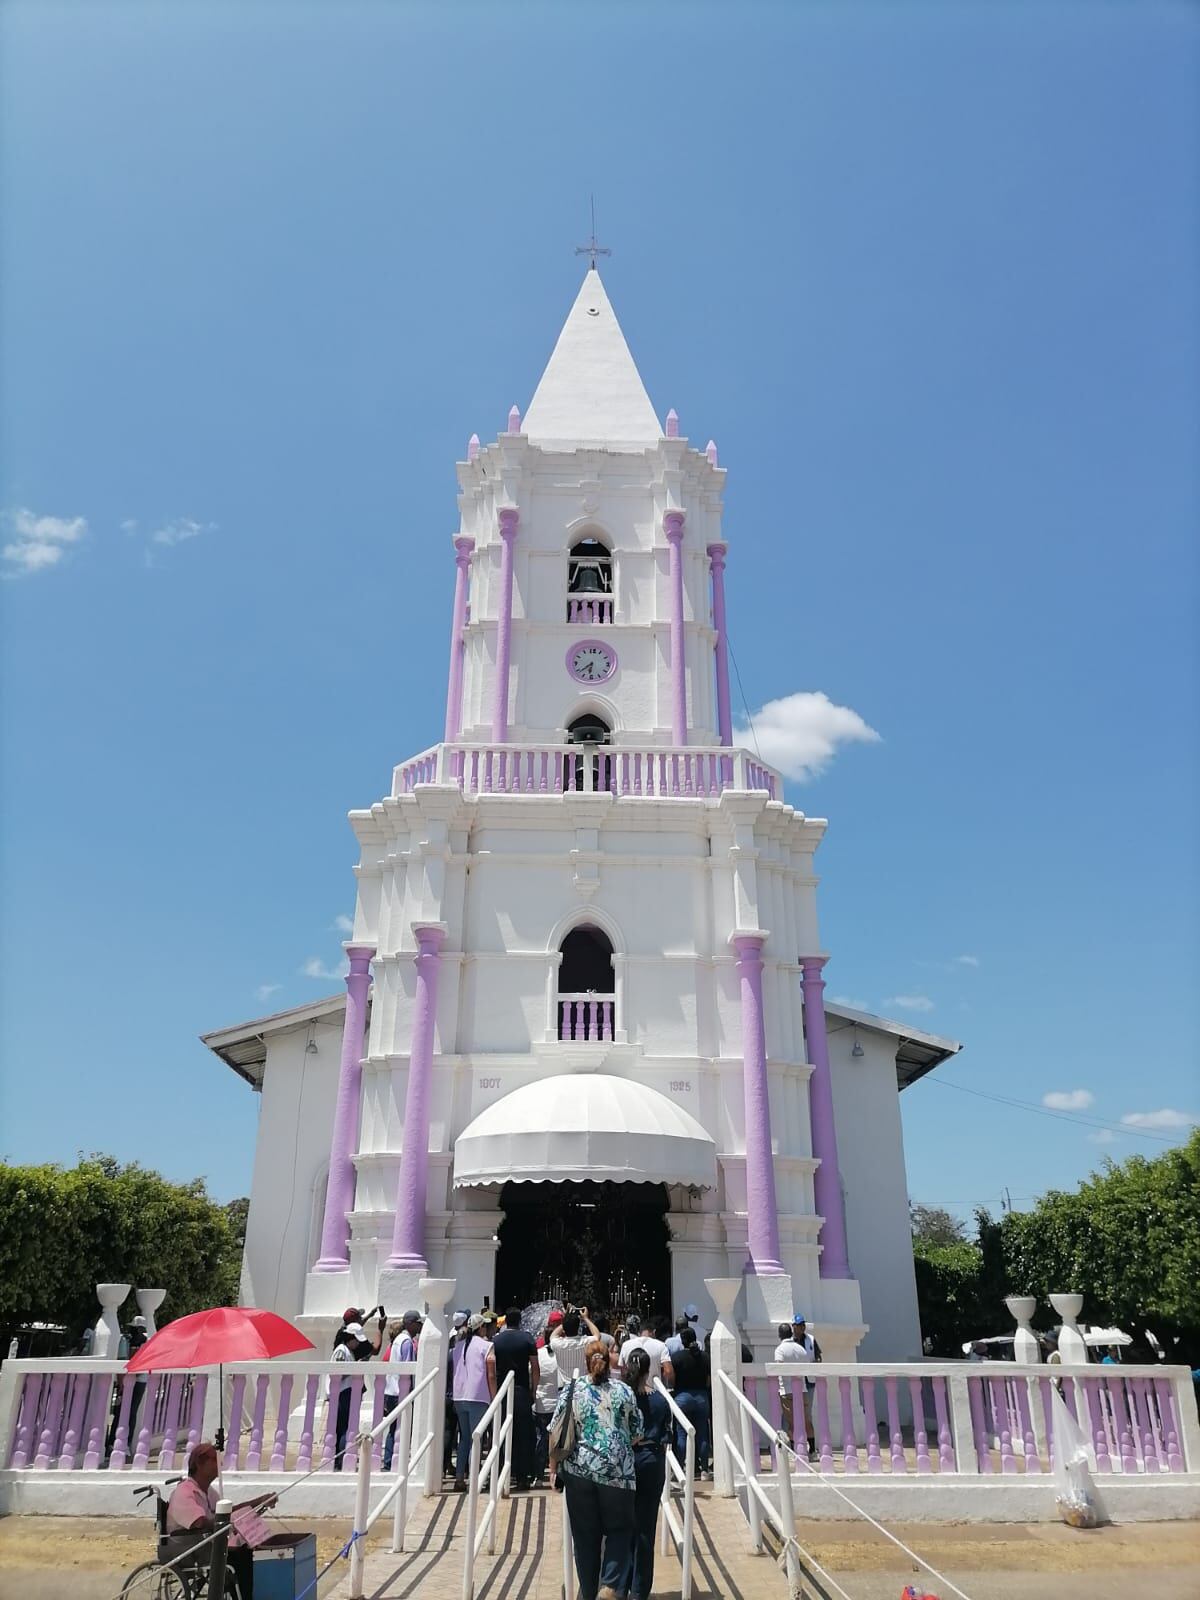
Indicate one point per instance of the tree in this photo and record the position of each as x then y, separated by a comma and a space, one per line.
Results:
62, 1231
935, 1225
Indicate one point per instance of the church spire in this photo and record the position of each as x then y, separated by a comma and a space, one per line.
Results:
591, 391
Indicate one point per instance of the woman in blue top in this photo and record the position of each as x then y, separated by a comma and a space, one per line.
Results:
649, 1461
598, 1474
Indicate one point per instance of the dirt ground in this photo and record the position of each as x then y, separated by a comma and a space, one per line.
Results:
87, 1558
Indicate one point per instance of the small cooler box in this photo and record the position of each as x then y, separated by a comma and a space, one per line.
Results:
285, 1566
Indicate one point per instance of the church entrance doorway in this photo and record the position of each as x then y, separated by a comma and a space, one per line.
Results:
600, 1245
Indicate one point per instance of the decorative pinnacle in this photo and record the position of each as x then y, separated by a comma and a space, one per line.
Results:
473, 447
672, 424
514, 420
710, 450
593, 247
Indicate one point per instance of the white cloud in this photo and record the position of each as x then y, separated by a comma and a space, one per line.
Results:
966, 961
344, 924
1102, 1136
845, 1000
1166, 1118
179, 529
266, 990
314, 967
39, 542
1069, 1099
910, 1002
800, 734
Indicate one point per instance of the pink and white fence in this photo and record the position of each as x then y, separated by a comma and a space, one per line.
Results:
280, 1416
594, 609
986, 1417
577, 769
586, 1018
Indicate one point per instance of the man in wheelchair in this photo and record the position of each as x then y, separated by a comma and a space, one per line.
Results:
191, 1514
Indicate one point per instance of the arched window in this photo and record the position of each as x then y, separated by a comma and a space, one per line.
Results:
586, 987
589, 582
583, 775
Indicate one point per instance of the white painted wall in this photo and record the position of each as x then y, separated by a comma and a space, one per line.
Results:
871, 1156
294, 1128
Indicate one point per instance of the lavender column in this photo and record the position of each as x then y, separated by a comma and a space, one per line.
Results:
716, 554
339, 1192
827, 1185
761, 1210
408, 1236
462, 563
509, 517
673, 528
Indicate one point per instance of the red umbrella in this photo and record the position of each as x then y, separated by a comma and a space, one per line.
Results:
210, 1338
226, 1333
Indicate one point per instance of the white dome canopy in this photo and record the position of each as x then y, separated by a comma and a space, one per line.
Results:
581, 1126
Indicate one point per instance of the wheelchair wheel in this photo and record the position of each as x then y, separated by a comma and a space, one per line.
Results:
152, 1582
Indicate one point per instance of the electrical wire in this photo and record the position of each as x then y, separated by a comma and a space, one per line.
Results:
1045, 1111
737, 674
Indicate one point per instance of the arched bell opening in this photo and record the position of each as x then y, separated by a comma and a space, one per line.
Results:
589, 582
584, 774
587, 986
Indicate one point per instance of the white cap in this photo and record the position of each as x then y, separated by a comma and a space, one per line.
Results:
691, 1311
355, 1330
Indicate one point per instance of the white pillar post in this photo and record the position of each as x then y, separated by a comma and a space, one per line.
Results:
725, 1355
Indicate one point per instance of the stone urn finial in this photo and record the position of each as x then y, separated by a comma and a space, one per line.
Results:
106, 1345
1072, 1348
148, 1302
1026, 1349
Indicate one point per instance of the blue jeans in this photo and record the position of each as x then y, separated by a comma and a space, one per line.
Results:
390, 1402
470, 1414
639, 1580
694, 1405
602, 1527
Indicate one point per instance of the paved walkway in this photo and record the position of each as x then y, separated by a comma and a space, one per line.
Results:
528, 1560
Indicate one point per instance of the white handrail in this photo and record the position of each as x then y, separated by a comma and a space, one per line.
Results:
686, 1474
758, 1503
365, 1519
496, 1477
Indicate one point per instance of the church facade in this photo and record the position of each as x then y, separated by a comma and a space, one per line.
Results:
584, 1051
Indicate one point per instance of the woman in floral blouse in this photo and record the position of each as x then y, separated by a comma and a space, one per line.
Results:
598, 1475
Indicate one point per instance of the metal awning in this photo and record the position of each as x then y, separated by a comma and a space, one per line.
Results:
580, 1126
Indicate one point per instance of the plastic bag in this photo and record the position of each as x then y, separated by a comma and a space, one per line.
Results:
909, 1593
1073, 1493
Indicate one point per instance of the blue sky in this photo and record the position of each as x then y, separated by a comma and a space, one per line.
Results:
928, 275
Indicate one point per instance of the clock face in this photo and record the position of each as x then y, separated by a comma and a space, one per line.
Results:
591, 662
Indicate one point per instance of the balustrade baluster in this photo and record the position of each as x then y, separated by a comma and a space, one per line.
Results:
1032, 1464
895, 1436
545, 780
23, 1434
51, 1423
376, 1419
1125, 1446
350, 1457
1142, 1412
920, 1434
329, 1446
1097, 1428
120, 1449
233, 1439
979, 1429
95, 1417
76, 1397
824, 1438
1172, 1452
849, 1453
145, 1430
593, 1020
196, 1413
1008, 1460
304, 1458
947, 1462
487, 772
578, 1025
867, 1389
1044, 1389
279, 1442
170, 1443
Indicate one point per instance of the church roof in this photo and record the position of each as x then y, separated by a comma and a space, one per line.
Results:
591, 392
916, 1052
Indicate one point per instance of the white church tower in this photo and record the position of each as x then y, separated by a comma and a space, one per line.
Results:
596, 1061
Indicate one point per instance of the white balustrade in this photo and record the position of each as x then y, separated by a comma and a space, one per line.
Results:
648, 772
590, 610
586, 1018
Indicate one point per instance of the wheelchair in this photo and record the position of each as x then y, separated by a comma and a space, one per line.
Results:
188, 1580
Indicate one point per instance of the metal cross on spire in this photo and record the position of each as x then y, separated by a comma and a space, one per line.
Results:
593, 247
